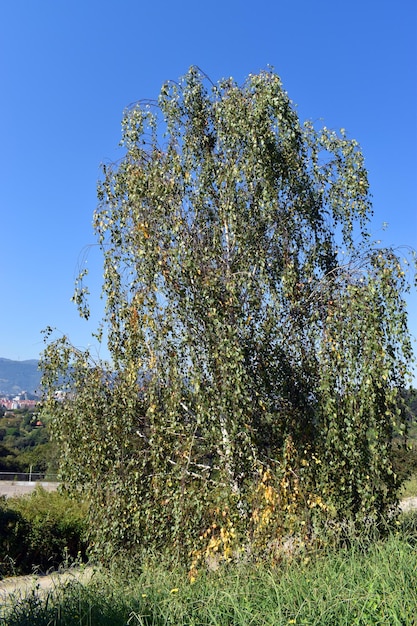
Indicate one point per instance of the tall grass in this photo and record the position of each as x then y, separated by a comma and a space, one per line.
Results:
362, 585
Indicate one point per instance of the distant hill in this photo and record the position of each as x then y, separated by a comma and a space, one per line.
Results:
18, 376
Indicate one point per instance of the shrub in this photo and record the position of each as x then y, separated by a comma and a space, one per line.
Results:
40, 531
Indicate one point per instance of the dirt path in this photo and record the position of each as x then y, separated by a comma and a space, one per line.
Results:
408, 504
21, 586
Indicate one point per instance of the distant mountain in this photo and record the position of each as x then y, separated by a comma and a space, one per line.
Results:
18, 376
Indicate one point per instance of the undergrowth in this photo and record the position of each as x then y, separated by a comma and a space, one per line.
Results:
361, 585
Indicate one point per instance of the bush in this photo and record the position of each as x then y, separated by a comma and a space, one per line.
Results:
40, 531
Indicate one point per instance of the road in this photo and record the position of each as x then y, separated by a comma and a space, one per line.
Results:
11, 488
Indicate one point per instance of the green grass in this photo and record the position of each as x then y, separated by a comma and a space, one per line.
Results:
356, 586
409, 490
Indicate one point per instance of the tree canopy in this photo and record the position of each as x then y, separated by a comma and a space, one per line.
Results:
258, 337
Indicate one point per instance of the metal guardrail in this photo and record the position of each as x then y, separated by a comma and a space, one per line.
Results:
30, 477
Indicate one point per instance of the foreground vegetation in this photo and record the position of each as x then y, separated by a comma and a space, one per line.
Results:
363, 584
40, 531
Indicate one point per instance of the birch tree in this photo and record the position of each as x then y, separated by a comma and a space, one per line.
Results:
258, 337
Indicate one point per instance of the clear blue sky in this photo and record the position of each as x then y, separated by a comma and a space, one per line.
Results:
68, 68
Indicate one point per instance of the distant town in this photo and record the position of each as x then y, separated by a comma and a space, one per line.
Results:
20, 401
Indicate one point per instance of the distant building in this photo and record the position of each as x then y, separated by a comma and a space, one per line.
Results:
17, 403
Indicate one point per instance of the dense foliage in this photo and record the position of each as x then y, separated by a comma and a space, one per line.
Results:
40, 532
258, 337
